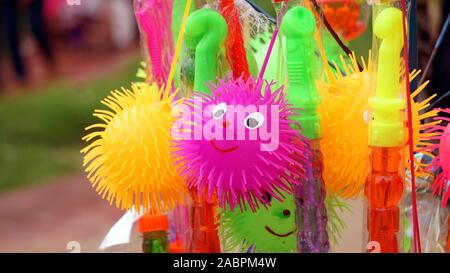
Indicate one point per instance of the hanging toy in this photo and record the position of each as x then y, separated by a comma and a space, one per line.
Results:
344, 126
154, 18
268, 229
128, 159
385, 183
345, 17
235, 50
244, 119
241, 159
344, 111
272, 228
441, 163
299, 26
334, 45
206, 31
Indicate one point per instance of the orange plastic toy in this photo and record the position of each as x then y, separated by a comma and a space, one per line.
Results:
344, 16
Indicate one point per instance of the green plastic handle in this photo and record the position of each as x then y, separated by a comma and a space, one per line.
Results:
298, 26
386, 129
206, 31
177, 15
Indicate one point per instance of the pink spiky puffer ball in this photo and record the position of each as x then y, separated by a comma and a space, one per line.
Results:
440, 132
240, 143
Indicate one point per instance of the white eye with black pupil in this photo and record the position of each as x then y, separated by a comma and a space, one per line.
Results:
366, 117
254, 121
219, 111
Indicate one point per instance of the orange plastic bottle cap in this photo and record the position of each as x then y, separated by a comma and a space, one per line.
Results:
149, 223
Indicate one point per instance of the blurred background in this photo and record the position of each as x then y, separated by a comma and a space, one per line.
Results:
57, 60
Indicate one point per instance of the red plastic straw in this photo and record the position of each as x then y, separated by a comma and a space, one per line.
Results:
416, 237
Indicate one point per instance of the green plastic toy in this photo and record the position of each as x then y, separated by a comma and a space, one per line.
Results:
302, 91
270, 229
387, 128
244, 231
177, 15
311, 215
206, 31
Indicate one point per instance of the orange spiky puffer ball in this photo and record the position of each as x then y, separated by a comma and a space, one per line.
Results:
344, 124
128, 158
344, 140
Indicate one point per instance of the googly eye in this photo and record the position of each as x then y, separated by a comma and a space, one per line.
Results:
219, 111
254, 120
366, 117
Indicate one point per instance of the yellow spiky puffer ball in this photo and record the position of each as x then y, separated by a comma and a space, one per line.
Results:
344, 124
128, 158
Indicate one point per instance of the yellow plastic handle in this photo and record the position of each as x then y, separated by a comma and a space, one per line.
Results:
387, 128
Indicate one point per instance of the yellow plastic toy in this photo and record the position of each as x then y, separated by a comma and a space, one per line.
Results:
128, 157
344, 142
387, 128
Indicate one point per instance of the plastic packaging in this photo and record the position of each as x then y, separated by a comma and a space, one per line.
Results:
385, 183
433, 218
154, 18
206, 31
299, 25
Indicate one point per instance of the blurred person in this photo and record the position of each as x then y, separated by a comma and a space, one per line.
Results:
38, 27
86, 26
11, 12
123, 25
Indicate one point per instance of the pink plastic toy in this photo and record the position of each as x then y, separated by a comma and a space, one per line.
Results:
253, 147
442, 161
154, 18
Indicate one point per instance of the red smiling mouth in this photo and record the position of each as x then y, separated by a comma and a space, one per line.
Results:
277, 234
223, 150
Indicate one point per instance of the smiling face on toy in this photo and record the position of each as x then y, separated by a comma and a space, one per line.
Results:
233, 131
269, 229
240, 144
